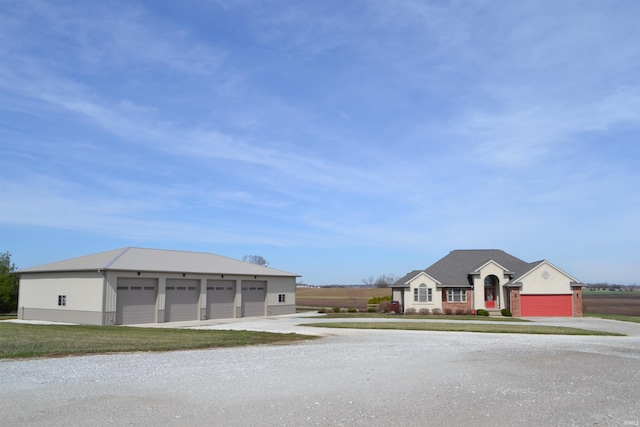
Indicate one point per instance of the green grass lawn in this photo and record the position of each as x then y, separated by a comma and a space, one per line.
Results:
430, 317
22, 340
463, 327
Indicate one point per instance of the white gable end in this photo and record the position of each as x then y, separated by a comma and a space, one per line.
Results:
546, 278
422, 277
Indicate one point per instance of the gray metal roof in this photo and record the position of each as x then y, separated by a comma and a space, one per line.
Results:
158, 260
453, 270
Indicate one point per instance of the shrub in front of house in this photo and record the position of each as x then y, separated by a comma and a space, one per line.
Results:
371, 310
336, 309
448, 311
384, 306
424, 312
482, 312
506, 312
436, 311
322, 310
378, 300
352, 310
461, 311
410, 311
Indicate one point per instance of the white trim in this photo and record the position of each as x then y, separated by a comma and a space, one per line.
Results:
422, 273
477, 270
545, 262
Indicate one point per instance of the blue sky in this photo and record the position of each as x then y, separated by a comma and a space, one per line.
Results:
339, 140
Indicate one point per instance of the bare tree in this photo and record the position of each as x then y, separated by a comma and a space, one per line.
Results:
370, 282
256, 259
383, 281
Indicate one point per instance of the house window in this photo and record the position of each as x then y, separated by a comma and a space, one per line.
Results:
281, 297
457, 295
62, 300
422, 294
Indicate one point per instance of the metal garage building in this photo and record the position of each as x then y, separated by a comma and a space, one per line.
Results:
135, 285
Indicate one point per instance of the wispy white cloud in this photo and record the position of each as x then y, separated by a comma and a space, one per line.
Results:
117, 35
408, 126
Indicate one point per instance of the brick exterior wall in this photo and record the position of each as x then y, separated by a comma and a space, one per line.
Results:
515, 302
577, 301
456, 306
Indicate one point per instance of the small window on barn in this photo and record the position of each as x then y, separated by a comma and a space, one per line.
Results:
229, 289
136, 288
192, 288
281, 297
62, 300
149, 288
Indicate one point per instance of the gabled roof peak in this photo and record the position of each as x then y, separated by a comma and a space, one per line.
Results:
454, 268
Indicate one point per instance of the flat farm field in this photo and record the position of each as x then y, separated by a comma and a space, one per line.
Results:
338, 297
623, 303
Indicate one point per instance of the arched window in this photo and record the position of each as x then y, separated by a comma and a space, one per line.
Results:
422, 294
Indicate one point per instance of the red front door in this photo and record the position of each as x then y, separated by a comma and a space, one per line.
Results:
489, 298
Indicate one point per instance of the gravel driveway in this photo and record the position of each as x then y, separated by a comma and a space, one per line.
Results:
349, 377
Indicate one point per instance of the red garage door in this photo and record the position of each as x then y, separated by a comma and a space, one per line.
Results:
546, 305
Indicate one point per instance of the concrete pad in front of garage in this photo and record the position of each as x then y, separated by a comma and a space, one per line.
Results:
590, 323
290, 323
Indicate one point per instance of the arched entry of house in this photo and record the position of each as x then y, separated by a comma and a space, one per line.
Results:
490, 292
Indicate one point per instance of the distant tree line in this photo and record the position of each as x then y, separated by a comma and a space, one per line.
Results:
382, 281
610, 287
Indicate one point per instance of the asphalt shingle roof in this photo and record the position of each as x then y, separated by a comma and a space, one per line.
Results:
454, 268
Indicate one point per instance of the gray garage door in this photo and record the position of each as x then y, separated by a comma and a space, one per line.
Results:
136, 301
253, 298
181, 301
220, 299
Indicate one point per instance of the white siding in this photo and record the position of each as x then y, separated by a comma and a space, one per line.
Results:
83, 290
82, 293
436, 294
546, 279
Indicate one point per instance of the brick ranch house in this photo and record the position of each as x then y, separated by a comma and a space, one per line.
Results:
491, 279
